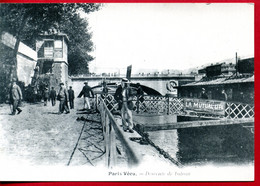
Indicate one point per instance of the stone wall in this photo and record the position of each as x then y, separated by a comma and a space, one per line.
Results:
26, 58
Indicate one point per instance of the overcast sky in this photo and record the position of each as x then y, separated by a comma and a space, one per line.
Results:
169, 36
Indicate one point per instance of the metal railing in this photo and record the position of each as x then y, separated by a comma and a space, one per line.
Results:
111, 131
162, 105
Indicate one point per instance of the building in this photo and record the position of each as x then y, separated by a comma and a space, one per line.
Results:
52, 58
238, 84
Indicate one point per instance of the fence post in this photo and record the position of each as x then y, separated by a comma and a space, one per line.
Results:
137, 104
229, 107
168, 105
107, 140
112, 141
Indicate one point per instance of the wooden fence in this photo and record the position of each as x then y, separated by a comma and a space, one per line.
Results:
111, 131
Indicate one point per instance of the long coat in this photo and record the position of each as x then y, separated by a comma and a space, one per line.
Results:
15, 93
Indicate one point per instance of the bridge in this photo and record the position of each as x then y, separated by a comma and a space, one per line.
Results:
156, 82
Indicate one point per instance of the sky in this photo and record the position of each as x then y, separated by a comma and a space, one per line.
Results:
169, 36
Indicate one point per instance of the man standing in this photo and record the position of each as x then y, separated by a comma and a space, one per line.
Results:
122, 95
71, 97
15, 97
45, 95
88, 93
63, 98
223, 96
53, 96
203, 94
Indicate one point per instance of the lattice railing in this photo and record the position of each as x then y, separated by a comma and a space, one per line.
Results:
239, 110
162, 105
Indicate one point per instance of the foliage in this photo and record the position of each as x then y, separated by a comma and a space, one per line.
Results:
27, 21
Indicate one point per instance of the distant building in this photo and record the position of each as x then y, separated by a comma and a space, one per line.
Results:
237, 83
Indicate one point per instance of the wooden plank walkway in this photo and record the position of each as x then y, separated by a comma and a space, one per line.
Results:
153, 123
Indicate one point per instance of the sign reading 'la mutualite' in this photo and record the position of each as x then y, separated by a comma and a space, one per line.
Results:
208, 106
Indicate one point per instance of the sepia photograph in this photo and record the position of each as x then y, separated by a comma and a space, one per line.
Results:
127, 92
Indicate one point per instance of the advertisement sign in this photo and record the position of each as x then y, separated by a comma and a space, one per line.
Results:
171, 86
207, 106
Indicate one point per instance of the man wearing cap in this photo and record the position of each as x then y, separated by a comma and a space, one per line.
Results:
63, 98
122, 95
203, 94
15, 97
71, 97
87, 93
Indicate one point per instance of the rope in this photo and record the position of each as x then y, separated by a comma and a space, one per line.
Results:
76, 144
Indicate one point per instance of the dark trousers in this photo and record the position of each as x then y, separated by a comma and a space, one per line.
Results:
63, 106
45, 101
16, 106
53, 102
71, 103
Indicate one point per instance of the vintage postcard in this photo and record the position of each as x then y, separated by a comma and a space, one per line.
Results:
127, 92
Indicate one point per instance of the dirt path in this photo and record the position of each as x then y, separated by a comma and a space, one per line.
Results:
39, 136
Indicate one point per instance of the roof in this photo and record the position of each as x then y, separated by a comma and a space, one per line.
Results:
223, 80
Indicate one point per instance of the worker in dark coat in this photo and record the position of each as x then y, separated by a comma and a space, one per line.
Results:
71, 97
63, 98
53, 96
15, 97
118, 94
140, 92
87, 93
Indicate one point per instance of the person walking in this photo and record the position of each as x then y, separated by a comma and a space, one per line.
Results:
46, 96
63, 98
71, 97
15, 97
123, 96
53, 96
87, 93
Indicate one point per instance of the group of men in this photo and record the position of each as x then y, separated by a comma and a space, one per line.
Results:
123, 96
64, 96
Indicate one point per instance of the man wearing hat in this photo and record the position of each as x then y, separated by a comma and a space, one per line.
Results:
87, 93
122, 96
118, 94
63, 98
15, 97
203, 94
71, 97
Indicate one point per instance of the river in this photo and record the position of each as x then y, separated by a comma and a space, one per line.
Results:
218, 145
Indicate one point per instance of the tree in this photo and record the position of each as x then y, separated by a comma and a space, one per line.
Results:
80, 43
27, 21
